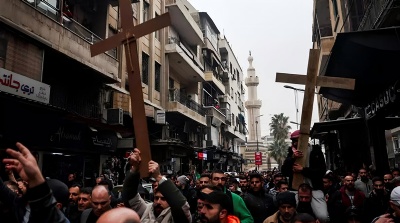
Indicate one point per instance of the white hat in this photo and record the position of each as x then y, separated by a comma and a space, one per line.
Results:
395, 195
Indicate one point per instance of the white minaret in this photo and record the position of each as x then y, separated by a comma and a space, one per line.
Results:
253, 104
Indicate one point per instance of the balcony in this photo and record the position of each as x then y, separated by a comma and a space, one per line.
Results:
251, 81
183, 105
185, 64
44, 22
217, 116
253, 104
183, 22
211, 77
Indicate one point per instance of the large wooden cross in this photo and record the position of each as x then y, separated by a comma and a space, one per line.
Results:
128, 36
311, 80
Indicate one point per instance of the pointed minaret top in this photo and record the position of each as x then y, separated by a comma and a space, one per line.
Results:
250, 59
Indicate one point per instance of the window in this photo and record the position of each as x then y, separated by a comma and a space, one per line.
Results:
171, 83
335, 8
145, 68
231, 92
157, 33
157, 74
3, 52
146, 9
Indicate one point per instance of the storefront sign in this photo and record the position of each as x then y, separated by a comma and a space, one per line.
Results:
22, 86
384, 100
202, 156
258, 158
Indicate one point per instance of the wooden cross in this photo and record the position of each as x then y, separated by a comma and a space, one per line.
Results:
311, 80
128, 36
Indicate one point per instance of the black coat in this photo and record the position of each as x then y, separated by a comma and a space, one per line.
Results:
314, 172
260, 204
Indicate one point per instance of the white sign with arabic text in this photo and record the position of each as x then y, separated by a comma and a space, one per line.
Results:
20, 85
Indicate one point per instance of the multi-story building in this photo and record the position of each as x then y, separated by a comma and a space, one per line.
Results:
342, 29
75, 109
234, 129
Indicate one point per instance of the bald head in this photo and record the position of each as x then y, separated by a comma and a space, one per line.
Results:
119, 215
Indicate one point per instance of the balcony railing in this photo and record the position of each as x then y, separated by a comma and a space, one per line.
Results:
175, 40
54, 13
82, 106
175, 95
373, 14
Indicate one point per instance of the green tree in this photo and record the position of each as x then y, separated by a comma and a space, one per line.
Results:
279, 126
280, 130
278, 150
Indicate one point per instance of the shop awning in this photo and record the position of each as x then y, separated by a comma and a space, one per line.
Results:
321, 128
371, 57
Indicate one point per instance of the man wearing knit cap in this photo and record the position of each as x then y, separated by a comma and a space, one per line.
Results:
190, 194
286, 202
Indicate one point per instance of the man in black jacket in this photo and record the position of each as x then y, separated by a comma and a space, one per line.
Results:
257, 200
313, 172
40, 198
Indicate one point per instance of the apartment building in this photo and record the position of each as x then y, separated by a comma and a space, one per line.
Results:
74, 110
357, 40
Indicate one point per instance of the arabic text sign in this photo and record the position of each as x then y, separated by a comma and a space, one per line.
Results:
20, 85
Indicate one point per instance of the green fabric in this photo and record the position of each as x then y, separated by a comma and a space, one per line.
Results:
240, 210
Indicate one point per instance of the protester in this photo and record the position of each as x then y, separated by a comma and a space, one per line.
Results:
101, 202
40, 198
240, 210
217, 207
169, 204
286, 202
257, 200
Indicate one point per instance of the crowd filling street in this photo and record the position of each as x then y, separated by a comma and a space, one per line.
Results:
212, 196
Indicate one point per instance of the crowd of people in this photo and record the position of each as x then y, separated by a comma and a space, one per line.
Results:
213, 196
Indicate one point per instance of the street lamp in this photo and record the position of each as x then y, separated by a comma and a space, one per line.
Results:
296, 101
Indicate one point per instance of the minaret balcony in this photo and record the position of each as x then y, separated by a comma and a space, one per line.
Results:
253, 104
251, 81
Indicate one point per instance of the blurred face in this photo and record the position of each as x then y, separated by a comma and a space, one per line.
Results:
379, 186
362, 173
71, 177
211, 213
294, 142
199, 205
396, 207
243, 183
304, 196
283, 188
204, 181
98, 180
255, 184
327, 183
349, 182
353, 220
84, 201
178, 184
277, 179
100, 200
396, 173
387, 178
73, 195
159, 203
232, 187
287, 212
218, 179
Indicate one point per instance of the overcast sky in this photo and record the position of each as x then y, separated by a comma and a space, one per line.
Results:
278, 33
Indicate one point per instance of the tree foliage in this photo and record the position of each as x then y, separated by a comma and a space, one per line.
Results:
280, 130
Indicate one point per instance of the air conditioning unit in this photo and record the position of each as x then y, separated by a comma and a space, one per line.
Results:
115, 116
